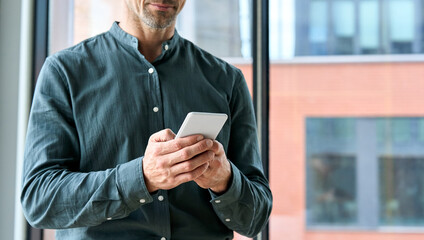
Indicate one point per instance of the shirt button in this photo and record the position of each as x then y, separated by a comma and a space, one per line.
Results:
166, 47
142, 200
217, 201
228, 220
155, 109
161, 198
151, 70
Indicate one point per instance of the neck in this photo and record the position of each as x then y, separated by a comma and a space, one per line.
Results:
149, 39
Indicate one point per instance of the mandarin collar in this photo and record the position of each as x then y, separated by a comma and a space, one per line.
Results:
132, 41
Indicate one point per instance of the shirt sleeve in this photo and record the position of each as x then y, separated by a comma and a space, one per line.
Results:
245, 207
55, 194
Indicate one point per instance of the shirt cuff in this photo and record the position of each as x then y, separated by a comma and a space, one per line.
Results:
130, 181
232, 194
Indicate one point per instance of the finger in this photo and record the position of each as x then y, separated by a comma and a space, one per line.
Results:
190, 151
217, 147
162, 136
192, 164
179, 143
189, 176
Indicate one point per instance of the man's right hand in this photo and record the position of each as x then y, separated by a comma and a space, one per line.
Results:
169, 162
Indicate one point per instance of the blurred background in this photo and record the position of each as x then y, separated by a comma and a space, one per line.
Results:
346, 105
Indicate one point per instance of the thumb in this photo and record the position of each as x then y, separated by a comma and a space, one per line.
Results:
162, 136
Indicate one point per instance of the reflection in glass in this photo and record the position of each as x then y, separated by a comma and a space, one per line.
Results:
369, 26
331, 171
344, 27
353, 27
333, 189
318, 27
225, 34
401, 25
341, 155
402, 190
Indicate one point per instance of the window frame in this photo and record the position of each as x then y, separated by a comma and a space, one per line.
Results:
39, 55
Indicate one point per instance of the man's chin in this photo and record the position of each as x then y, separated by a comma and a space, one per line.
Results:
158, 22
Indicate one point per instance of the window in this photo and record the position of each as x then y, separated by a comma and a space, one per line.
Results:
341, 157
331, 172
346, 139
384, 155
346, 27
225, 35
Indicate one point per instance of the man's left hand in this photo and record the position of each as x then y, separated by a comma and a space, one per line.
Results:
217, 176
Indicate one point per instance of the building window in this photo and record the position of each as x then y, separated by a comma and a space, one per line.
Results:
346, 27
365, 172
402, 192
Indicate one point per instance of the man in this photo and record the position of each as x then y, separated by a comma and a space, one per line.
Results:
101, 161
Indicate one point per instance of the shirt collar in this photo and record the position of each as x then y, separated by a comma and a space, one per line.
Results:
128, 39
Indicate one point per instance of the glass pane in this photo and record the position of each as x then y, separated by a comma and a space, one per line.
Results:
318, 27
94, 17
332, 149
282, 29
369, 26
401, 164
331, 171
346, 140
344, 18
401, 29
226, 35
346, 27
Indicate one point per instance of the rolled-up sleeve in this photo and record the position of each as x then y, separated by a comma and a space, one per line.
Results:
246, 206
55, 194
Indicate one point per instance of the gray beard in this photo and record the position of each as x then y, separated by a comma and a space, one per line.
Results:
152, 22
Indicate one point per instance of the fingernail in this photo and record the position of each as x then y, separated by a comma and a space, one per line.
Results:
199, 138
209, 143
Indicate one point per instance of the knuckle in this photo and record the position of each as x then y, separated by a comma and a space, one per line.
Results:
188, 166
152, 137
161, 164
156, 151
168, 132
185, 154
178, 145
202, 146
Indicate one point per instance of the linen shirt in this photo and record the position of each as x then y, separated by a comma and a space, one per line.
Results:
96, 105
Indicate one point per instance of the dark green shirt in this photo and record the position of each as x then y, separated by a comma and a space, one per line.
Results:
95, 107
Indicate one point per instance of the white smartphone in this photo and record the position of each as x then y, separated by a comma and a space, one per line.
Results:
207, 124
